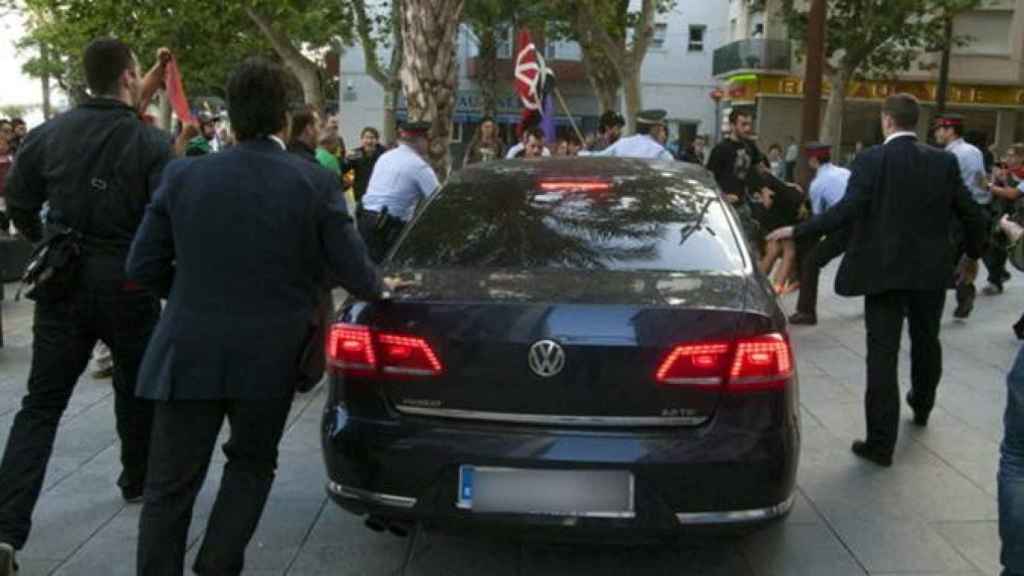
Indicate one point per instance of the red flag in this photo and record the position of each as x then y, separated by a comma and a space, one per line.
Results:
176, 92
528, 70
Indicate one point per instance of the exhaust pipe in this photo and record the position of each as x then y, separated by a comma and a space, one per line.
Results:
400, 529
376, 524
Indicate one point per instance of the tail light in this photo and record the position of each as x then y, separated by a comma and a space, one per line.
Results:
357, 350
748, 364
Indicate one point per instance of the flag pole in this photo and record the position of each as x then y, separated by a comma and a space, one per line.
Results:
568, 114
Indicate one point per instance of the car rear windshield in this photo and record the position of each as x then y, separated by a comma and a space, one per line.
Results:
663, 224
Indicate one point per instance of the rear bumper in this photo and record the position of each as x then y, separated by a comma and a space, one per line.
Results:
407, 469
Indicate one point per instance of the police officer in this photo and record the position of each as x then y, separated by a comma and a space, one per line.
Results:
400, 180
97, 167
646, 143
949, 130
827, 188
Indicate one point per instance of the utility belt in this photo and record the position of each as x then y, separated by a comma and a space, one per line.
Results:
380, 230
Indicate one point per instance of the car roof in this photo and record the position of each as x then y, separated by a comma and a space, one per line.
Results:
611, 168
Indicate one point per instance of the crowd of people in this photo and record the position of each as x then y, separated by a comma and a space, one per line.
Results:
133, 217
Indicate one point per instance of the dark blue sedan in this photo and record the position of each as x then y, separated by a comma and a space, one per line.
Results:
581, 344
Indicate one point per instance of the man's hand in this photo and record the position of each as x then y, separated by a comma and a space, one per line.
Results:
164, 56
1011, 228
767, 197
732, 199
784, 233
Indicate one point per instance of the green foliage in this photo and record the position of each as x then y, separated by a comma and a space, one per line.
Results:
208, 38
878, 37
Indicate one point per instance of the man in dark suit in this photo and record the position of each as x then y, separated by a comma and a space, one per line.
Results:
239, 242
900, 201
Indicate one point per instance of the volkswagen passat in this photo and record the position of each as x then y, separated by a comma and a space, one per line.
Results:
579, 343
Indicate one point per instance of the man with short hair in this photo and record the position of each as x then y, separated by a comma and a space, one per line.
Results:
646, 143
97, 167
534, 147
529, 122
240, 243
609, 130
949, 129
899, 203
400, 180
20, 130
827, 189
694, 153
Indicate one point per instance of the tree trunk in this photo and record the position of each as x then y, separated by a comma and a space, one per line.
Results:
387, 79
304, 69
633, 97
832, 127
390, 116
488, 72
45, 81
429, 32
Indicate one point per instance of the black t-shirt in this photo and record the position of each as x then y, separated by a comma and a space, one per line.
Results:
734, 165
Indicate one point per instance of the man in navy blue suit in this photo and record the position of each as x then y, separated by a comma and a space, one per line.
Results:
239, 243
899, 203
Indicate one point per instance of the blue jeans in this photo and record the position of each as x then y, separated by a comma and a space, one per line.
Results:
1011, 473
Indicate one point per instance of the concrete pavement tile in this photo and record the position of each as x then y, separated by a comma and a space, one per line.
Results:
890, 542
281, 532
977, 541
378, 554
600, 560
33, 567
798, 550
110, 552
444, 555
64, 522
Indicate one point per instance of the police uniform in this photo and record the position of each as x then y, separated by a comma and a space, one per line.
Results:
399, 181
640, 145
827, 188
972, 171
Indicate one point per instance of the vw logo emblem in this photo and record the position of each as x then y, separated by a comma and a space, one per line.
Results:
546, 358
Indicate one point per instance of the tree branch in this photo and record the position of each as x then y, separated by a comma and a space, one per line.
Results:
642, 34
281, 43
364, 27
589, 25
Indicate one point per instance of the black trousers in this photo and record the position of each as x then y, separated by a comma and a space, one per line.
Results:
883, 317
184, 435
379, 233
816, 254
64, 335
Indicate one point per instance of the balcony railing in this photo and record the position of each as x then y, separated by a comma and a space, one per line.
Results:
753, 54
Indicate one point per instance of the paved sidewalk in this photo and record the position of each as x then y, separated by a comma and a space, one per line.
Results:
933, 513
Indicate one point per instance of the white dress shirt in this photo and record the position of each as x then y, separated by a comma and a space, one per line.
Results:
400, 179
972, 169
636, 146
828, 187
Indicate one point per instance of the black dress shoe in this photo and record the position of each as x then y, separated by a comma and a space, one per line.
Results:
867, 452
803, 318
920, 416
132, 494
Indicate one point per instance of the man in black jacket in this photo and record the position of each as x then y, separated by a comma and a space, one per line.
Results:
900, 200
241, 243
96, 166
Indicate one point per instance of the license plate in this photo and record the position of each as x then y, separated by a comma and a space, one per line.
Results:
587, 493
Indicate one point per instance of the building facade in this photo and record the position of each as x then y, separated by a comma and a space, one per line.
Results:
676, 76
759, 72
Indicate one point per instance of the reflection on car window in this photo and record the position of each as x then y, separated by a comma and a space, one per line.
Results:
659, 224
